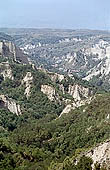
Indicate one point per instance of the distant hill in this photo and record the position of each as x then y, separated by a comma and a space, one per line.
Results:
4, 36
84, 53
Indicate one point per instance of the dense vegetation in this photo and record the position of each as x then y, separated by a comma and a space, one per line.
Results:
47, 143
38, 139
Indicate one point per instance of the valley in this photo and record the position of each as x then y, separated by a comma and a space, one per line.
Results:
84, 53
54, 99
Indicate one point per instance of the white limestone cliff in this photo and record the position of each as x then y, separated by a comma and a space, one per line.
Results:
75, 104
78, 92
102, 52
50, 92
55, 76
6, 70
10, 104
10, 47
61, 87
9, 50
28, 80
100, 154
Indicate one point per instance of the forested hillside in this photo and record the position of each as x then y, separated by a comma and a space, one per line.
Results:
49, 121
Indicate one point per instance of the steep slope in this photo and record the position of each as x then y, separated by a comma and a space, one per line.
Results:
34, 92
23, 84
50, 121
70, 142
8, 51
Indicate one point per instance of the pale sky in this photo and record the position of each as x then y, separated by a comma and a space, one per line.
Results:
74, 14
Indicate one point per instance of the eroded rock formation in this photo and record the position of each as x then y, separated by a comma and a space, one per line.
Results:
101, 154
50, 92
10, 104
75, 104
9, 50
28, 80
56, 77
78, 92
6, 70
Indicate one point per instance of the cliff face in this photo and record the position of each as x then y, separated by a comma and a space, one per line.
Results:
56, 77
20, 56
28, 80
6, 48
78, 92
75, 104
101, 154
6, 71
50, 92
80, 95
55, 90
9, 50
10, 104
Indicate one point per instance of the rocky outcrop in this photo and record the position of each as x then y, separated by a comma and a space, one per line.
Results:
66, 110
10, 104
20, 56
61, 87
79, 92
50, 92
56, 77
101, 53
6, 48
75, 104
6, 70
28, 80
101, 154
9, 50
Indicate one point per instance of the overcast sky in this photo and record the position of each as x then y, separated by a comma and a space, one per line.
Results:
80, 14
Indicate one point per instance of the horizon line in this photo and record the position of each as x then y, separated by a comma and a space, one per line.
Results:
50, 28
